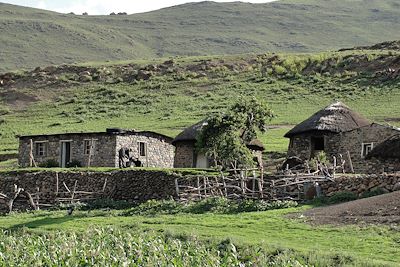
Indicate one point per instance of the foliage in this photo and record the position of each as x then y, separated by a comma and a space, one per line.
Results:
320, 158
51, 163
74, 164
224, 136
344, 196
208, 205
374, 192
116, 247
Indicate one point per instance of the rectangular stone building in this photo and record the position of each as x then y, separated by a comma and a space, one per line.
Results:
98, 149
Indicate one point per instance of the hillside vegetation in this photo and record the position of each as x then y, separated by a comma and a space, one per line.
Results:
32, 37
167, 95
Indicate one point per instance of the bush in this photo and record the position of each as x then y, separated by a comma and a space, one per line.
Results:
343, 196
374, 192
51, 163
107, 203
209, 205
74, 164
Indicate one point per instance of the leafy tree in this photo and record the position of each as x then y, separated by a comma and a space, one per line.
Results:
225, 135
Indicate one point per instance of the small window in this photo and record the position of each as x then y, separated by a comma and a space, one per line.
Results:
366, 148
88, 145
40, 149
142, 149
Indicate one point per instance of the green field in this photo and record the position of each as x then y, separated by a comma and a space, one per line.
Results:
295, 86
33, 37
266, 231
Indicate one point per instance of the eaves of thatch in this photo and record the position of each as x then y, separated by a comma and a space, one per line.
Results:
335, 118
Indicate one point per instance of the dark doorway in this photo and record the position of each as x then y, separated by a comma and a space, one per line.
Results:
65, 154
318, 144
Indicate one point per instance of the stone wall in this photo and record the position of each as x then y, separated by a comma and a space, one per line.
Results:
141, 185
129, 185
360, 184
352, 141
158, 153
102, 154
184, 155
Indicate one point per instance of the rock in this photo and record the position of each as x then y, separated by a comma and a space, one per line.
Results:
396, 186
85, 78
144, 75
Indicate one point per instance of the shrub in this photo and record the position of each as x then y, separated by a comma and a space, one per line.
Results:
374, 192
107, 203
51, 163
343, 196
74, 164
209, 205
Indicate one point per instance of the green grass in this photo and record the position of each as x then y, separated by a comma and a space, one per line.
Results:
167, 103
32, 37
369, 244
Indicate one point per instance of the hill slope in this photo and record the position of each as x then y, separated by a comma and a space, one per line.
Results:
169, 95
33, 37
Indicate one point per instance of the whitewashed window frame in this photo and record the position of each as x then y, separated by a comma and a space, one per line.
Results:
363, 148
44, 152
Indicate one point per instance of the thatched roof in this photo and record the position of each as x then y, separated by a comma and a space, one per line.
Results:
191, 133
388, 149
336, 118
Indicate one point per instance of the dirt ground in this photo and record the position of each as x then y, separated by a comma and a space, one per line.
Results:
382, 209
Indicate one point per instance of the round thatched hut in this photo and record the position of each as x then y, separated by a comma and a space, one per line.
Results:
338, 131
186, 155
313, 135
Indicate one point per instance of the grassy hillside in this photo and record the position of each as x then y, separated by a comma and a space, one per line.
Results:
168, 95
32, 37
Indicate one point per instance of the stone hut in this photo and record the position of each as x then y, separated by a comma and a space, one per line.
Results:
186, 155
338, 130
97, 149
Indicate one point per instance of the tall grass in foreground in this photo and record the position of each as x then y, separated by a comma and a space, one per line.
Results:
110, 247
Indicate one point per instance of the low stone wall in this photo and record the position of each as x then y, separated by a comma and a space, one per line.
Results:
360, 184
142, 185
130, 185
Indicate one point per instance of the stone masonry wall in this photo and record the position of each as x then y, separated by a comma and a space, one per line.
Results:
129, 185
159, 152
184, 155
104, 146
351, 141
360, 184
141, 185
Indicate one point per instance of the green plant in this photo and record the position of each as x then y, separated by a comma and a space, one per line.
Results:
51, 163
374, 192
74, 164
343, 196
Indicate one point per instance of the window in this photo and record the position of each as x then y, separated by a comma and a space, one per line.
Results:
40, 149
142, 149
366, 148
88, 145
